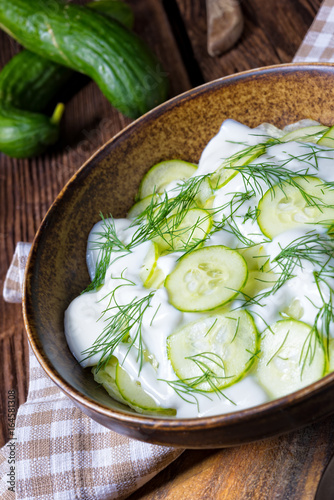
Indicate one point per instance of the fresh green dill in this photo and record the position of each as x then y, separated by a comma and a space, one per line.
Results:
124, 319
320, 332
277, 175
312, 247
279, 349
208, 381
107, 244
152, 221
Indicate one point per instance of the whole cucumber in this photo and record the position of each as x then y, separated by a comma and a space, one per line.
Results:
24, 134
117, 9
27, 83
126, 71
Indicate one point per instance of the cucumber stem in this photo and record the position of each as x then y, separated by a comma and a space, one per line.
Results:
58, 113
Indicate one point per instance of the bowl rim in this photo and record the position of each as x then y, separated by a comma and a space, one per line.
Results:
164, 423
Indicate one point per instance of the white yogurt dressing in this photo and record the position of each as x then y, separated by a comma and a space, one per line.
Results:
87, 314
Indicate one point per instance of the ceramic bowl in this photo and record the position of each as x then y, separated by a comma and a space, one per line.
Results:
108, 182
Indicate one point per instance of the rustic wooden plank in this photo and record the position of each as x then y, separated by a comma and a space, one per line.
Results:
272, 34
28, 187
288, 467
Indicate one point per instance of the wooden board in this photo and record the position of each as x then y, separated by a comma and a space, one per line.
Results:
287, 467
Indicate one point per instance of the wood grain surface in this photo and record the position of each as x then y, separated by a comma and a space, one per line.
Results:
288, 467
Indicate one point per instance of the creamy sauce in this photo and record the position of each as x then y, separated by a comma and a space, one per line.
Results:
86, 315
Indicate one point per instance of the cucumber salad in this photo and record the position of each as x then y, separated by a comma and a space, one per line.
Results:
215, 293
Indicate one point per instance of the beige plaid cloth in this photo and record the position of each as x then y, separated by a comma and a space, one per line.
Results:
59, 452
318, 44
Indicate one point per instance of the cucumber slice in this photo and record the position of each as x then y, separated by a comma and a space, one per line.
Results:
206, 278
139, 207
106, 376
181, 231
146, 271
223, 175
160, 175
136, 397
292, 358
327, 139
214, 352
204, 195
150, 274
283, 208
306, 134
331, 356
260, 275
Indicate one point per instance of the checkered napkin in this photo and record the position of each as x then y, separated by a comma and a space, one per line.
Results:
318, 44
59, 452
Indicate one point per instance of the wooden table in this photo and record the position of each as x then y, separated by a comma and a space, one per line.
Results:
287, 467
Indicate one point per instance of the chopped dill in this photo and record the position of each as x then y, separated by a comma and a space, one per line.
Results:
188, 388
124, 319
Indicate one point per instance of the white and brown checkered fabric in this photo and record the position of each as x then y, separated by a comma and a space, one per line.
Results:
318, 44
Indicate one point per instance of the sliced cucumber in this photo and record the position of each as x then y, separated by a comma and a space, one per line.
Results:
204, 195
181, 231
139, 207
160, 175
260, 275
306, 134
225, 172
136, 397
147, 269
283, 208
331, 355
106, 376
214, 352
206, 278
291, 358
327, 139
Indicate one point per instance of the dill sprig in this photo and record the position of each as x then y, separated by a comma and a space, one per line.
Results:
312, 247
275, 175
108, 244
228, 220
152, 221
124, 319
321, 329
188, 388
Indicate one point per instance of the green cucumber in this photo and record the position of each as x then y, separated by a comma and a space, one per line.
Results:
135, 396
176, 234
225, 172
305, 134
116, 9
222, 345
284, 207
24, 134
206, 279
126, 71
28, 82
106, 376
146, 271
121, 387
291, 358
327, 139
138, 208
260, 275
160, 175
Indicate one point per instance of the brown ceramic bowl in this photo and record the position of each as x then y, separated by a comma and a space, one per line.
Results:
56, 271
